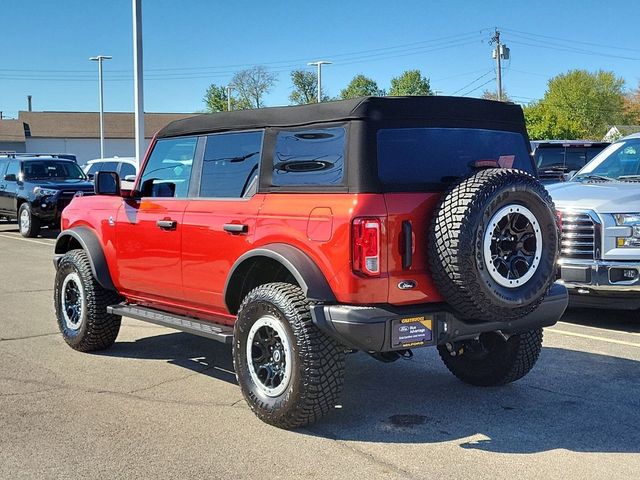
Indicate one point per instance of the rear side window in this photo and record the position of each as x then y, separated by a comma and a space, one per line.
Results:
436, 157
168, 170
230, 165
309, 157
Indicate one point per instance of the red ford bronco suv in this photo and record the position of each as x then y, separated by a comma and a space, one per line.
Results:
298, 234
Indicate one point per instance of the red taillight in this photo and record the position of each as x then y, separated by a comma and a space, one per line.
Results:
559, 216
366, 246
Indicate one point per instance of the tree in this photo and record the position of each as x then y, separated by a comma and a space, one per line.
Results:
411, 82
578, 104
632, 106
361, 86
215, 99
252, 85
305, 88
493, 95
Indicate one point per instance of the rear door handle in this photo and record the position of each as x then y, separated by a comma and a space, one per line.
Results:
235, 228
167, 224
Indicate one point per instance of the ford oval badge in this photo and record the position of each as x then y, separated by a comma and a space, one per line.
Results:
407, 284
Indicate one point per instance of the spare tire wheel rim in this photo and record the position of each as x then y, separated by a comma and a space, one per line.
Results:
269, 356
512, 246
73, 301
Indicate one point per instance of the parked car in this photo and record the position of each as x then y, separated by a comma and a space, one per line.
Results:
36, 189
299, 233
600, 208
123, 166
559, 160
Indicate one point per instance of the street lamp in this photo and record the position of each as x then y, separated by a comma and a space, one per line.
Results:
99, 59
319, 64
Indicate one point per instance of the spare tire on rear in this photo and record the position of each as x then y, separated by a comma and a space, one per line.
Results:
493, 245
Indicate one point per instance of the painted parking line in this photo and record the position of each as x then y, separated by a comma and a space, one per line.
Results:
598, 329
41, 242
592, 337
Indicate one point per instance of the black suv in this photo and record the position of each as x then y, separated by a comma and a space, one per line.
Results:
35, 189
558, 160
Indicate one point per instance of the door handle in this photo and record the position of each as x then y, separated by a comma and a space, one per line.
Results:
2, 187
167, 224
235, 228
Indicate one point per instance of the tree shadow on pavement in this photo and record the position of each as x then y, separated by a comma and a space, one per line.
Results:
572, 400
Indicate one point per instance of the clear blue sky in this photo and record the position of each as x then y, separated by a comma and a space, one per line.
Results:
189, 44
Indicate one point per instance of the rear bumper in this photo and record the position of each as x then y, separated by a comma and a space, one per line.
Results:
374, 329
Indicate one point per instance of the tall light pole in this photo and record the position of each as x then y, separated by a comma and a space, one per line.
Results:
138, 96
228, 98
100, 59
319, 64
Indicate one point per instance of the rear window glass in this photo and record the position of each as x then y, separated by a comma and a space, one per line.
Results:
309, 157
435, 157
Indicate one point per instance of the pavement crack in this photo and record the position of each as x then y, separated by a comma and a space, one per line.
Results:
28, 337
11, 292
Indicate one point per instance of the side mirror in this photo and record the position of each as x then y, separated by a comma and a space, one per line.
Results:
90, 176
107, 183
11, 177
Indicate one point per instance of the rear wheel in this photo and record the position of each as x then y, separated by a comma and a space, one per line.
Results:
491, 360
28, 224
290, 372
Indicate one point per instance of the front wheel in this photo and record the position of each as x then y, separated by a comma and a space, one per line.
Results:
28, 223
491, 360
289, 371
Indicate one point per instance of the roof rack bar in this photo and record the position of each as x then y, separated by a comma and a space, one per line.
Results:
67, 156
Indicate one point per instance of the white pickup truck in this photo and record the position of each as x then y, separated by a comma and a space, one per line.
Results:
600, 210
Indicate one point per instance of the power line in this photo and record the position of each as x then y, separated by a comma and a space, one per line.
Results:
474, 81
479, 86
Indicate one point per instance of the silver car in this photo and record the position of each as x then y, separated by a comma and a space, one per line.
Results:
600, 211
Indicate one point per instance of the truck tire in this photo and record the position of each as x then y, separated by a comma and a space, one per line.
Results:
28, 224
289, 371
491, 360
493, 245
81, 305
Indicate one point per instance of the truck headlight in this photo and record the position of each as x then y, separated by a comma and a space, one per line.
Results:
631, 220
44, 192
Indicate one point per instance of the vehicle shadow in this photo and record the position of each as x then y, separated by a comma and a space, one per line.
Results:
12, 227
572, 400
620, 320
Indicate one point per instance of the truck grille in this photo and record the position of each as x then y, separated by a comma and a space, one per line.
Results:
66, 196
578, 236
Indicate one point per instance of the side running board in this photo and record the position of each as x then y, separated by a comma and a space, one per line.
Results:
221, 333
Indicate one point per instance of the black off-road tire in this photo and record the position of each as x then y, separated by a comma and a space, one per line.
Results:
33, 227
96, 329
506, 362
317, 360
456, 256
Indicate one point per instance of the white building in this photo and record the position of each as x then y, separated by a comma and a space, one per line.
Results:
78, 132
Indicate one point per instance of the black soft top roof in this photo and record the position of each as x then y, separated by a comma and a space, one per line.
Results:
375, 109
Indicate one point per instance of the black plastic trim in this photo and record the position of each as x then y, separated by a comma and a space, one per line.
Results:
90, 244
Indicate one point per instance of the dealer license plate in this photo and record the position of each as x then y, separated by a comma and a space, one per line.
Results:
412, 332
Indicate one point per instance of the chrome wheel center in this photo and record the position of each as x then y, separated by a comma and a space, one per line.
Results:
24, 221
512, 246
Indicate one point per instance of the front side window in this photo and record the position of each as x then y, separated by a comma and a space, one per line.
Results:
168, 170
230, 164
126, 169
13, 168
309, 157
436, 157
46, 169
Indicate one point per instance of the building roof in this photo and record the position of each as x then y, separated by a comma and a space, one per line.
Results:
440, 110
11, 131
627, 129
87, 124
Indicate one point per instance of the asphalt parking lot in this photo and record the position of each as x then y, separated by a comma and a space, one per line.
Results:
163, 404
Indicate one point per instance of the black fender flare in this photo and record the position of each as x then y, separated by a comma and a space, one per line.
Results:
310, 278
89, 242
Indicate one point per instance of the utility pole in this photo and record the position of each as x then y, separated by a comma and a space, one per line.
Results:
138, 94
99, 59
500, 52
319, 64
228, 98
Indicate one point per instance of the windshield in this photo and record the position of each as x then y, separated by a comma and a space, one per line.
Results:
418, 158
54, 169
620, 161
